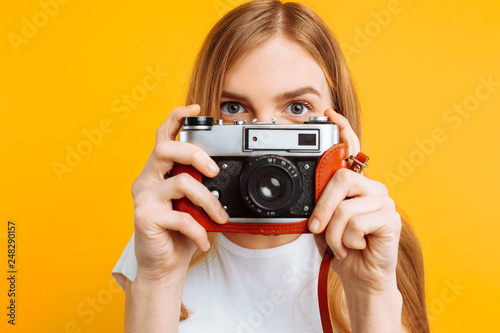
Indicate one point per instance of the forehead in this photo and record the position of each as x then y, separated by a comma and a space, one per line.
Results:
276, 66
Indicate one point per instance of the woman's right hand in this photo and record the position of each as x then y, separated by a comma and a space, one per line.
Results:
165, 239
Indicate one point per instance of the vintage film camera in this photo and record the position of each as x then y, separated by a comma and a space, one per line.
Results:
270, 175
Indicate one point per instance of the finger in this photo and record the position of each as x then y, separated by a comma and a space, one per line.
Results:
170, 128
157, 219
346, 133
183, 185
379, 226
167, 153
344, 183
348, 211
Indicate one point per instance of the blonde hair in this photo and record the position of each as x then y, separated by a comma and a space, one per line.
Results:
241, 30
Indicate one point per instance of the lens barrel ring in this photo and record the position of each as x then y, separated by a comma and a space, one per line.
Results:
270, 185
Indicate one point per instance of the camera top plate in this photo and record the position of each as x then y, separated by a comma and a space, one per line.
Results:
241, 139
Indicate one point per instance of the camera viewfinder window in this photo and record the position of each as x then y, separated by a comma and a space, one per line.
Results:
307, 139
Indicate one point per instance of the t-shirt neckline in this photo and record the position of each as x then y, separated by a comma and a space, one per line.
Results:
261, 253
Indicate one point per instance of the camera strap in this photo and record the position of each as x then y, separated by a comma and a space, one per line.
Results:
358, 164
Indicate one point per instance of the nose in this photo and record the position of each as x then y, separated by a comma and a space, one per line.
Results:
265, 115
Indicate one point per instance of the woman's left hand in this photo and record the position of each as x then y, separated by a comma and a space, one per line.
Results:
361, 224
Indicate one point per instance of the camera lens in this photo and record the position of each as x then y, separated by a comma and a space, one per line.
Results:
270, 185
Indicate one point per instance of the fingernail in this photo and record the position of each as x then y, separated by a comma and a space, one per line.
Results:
207, 245
212, 166
224, 214
336, 256
314, 225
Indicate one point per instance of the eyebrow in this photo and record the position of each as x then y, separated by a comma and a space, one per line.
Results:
283, 96
297, 92
233, 95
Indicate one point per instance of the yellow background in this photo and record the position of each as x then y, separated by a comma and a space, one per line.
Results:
66, 77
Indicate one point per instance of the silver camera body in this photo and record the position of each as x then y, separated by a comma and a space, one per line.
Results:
267, 171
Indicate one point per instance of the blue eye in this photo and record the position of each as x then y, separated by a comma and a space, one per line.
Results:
298, 108
231, 107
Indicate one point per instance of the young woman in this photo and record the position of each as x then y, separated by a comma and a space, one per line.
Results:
268, 60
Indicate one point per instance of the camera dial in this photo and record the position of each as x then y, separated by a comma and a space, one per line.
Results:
318, 120
197, 123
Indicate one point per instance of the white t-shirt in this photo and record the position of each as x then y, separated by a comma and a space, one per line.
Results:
248, 291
